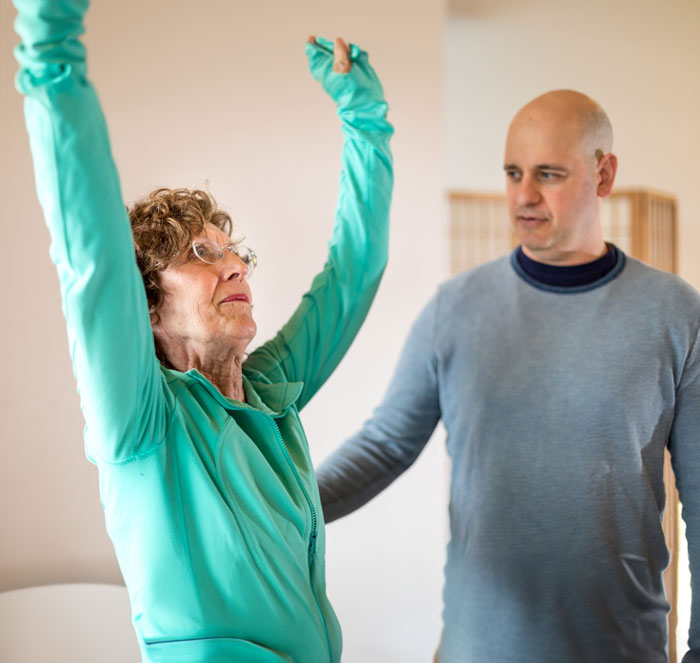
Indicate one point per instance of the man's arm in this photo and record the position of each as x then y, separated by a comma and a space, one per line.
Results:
311, 344
395, 435
684, 446
104, 301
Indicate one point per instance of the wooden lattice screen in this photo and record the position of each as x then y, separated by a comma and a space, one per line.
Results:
641, 223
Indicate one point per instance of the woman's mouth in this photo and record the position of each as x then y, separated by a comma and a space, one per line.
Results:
238, 297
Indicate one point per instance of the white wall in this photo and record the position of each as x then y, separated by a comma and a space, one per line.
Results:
218, 91
81, 623
639, 58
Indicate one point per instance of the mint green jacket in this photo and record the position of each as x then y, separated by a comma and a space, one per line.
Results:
212, 504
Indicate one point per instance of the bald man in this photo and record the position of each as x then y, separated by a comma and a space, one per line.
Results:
561, 372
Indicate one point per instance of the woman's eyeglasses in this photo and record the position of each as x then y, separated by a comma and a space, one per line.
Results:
210, 252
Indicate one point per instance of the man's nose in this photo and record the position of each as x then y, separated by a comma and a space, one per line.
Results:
528, 192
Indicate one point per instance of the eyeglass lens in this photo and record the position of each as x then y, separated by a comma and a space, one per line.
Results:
210, 252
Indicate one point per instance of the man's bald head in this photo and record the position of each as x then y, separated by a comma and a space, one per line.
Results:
559, 165
568, 113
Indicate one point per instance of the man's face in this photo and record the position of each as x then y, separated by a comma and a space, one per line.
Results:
206, 304
551, 190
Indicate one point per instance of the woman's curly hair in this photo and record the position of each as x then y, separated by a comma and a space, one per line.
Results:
163, 224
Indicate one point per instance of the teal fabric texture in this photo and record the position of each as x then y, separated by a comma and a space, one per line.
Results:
212, 504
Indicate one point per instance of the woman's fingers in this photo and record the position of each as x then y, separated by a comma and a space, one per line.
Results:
341, 57
341, 53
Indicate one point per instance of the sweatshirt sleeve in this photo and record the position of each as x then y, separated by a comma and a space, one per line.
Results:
684, 445
311, 344
393, 438
104, 302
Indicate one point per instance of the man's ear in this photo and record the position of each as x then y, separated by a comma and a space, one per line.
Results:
606, 171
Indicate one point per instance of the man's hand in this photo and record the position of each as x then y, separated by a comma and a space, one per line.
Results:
341, 54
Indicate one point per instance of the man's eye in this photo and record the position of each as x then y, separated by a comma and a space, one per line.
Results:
548, 175
512, 174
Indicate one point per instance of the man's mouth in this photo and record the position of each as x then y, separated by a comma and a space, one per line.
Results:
528, 218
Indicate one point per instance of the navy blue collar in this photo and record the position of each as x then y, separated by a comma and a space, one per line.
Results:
571, 278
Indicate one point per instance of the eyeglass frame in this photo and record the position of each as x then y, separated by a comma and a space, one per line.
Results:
231, 248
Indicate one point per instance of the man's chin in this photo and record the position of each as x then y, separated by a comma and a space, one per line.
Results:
534, 244
542, 252
536, 247
536, 238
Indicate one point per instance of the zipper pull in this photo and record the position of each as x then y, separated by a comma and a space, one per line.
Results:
312, 546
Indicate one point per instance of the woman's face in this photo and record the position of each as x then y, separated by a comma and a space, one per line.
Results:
206, 307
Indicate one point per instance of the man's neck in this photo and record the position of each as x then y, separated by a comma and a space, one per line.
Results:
567, 258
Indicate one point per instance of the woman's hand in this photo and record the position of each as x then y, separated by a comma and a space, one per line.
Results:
345, 73
341, 55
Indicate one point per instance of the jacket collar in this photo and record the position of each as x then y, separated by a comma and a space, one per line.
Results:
273, 398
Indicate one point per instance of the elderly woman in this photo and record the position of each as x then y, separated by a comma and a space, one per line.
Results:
208, 489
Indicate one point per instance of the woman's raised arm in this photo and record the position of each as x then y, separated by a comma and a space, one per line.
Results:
312, 343
104, 302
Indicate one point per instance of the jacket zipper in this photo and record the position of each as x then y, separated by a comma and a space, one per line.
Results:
314, 519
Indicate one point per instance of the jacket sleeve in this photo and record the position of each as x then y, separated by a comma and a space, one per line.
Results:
104, 302
312, 343
395, 435
684, 445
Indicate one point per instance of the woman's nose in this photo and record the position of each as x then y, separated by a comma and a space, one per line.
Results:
232, 267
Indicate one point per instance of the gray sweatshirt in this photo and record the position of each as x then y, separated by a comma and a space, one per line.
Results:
558, 403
